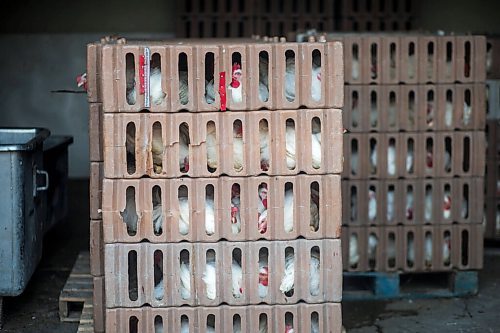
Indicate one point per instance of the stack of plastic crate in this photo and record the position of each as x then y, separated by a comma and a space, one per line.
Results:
414, 192
492, 177
211, 220
412, 180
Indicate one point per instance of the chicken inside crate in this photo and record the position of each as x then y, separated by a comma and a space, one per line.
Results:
211, 209
188, 144
261, 272
235, 75
300, 317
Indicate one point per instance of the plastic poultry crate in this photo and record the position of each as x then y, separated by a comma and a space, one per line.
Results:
235, 209
198, 76
413, 201
412, 248
234, 273
302, 317
55, 161
23, 205
215, 144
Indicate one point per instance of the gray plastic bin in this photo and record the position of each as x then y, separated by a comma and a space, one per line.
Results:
22, 206
55, 162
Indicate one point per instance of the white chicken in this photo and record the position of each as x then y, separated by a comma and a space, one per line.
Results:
288, 210
428, 250
264, 145
211, 146
185, 325
428, 206
314, 210
373, 157
390, 204
315, 324
430, 114
353, 251
262, 209
238, 146
290, 144
263, 280
157, 149
183, 215
316, 143
372, 205
290, 80
185, 277
235, 209
446, 250
288, 280
156, 92
373, 113
159, 327
372, 250
235, 87
210, 215
447, 205
314, 272
129, 214
409, 161
184, 143
157, 212
237, 279
391, 160
467, 113
355, 69
448, 114
409, 205
354, 162
209, 276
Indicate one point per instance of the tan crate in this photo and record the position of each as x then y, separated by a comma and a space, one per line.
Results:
224, 143
274, 318
413, 202
122, 293
225, 54
413, 248
435, 154
115, 202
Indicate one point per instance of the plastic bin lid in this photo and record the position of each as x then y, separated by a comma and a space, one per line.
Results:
15, 139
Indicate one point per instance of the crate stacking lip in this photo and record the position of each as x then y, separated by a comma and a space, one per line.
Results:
411, 58
413, 201
198, 76
413, 155
412, 248
215, 144
234, 273
209, 210
225, 318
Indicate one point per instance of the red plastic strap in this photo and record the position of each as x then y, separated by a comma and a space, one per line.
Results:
222, 90
142, 63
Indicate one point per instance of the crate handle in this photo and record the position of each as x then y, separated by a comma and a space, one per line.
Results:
46, 174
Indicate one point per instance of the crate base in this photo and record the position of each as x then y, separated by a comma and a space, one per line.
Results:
77, 291
86, 324
378, 286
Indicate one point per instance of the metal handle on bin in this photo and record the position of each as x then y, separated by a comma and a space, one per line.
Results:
46, 174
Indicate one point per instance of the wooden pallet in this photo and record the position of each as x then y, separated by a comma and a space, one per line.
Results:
77, 291
376, 285
87, 319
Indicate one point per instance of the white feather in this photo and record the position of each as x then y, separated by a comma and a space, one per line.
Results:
237, 279
185, 276
290, 146
209, 277
288, 280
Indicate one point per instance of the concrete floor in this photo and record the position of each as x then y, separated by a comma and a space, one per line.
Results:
36, 310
